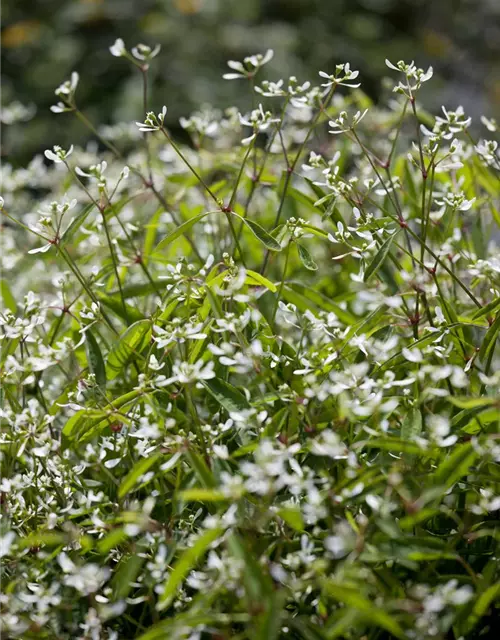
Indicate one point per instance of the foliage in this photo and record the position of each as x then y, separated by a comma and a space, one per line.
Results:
250, 384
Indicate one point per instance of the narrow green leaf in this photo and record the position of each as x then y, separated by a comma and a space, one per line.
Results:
226, 395
454, 466
292, 517
482, 604
80, 420
258, 585
115, 304
202, 495
185, 563
488, 308
151, 231
129, 345
181, 230
391, 444
127, 571
112, 540
306, 258
95, 359
138, 470
74, 225
7, 297
489, 339
262, 235
474, 403
379, 257
260, 279
200, 467
369, 610
412, 425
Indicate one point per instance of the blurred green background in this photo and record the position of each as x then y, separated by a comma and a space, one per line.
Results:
44, 40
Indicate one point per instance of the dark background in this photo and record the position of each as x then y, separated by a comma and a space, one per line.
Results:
44, 40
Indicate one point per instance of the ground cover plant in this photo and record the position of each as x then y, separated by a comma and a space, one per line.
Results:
249, 382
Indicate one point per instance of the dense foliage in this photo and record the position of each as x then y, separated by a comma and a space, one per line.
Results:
250, 384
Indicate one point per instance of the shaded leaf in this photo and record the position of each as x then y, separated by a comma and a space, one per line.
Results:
185, 563
306, 258
380, 256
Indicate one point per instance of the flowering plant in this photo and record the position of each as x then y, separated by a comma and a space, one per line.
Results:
250, 386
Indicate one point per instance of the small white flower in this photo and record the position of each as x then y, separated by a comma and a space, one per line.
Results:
118, 48
58, 154
153, 122
342, 77
143, 52
412, 355
489, 123
249, 67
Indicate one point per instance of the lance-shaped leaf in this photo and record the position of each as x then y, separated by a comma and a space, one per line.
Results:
380, 256
185, 563
137, 471
261, 234
129, 345
95, 359
306, 258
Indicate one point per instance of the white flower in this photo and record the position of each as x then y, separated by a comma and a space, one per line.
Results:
489, 123
342, 77
186, 373
68, 88
153, 122
249, 67
86, 579
412, 355
118, 48
58, 154
339, 125
6, 543
143, 52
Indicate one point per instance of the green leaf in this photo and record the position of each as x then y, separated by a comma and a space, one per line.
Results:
226, 395
115, 304
185, 563
380, 256
202, 495
482, 604
181, 230
151, 231
95, 359
200, 467
454, 466
292, 517
474, 403
258, 585
254, 277
490, 339
7, 297
129, 345
369, 610
306, 258
412, 425
138, 470
127, 571
74, 225
488, 308
81, 419
112, 540
261, 234
391, 444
